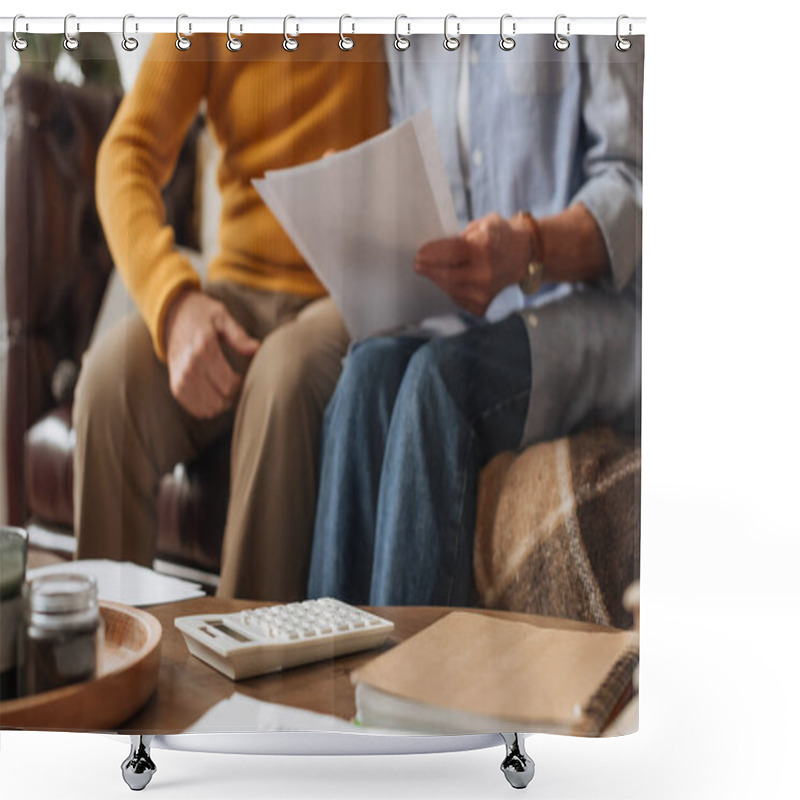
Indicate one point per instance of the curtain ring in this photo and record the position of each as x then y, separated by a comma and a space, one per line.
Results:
345, 42
290, 44
451, 42
507, 42
18, 43
70, 42
233, 44
401, 42
129, 43
560, 43
181, 42
622, 44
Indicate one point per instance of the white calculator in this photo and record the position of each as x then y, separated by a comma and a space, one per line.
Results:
268, 639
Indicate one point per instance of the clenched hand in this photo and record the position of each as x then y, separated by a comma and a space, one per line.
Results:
200, 377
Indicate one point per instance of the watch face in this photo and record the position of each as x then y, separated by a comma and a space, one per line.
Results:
532, 281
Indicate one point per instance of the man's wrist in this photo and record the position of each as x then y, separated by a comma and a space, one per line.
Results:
172, 311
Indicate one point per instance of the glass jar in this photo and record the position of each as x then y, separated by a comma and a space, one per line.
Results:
61, 632
13, 551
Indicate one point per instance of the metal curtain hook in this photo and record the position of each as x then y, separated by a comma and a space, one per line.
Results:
70, 42
181, 42
290, 44
507, 42
451, 42
345, 42
129, 43
622, 44
17, 42
401, 42
561, 43
233, 44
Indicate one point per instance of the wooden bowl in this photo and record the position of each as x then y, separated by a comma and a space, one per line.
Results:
127, 676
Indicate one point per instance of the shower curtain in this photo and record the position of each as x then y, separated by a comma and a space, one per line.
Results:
317, 316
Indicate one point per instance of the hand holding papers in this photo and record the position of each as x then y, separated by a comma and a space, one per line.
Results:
358, 218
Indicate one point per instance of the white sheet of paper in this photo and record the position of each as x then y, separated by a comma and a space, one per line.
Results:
124, 582
241, 713
358, 218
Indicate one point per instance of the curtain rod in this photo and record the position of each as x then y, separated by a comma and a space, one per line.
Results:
631, 26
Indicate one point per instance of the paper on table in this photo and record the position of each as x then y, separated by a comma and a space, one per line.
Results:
127, 583
240, 712
358, 218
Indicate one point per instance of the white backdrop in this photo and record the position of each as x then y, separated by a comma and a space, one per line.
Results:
721, 538
3, 331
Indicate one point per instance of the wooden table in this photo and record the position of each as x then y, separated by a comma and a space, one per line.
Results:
187, 687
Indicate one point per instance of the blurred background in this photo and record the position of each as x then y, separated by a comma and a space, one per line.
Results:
59, 290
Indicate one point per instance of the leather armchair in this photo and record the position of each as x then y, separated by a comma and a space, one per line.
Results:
57, 270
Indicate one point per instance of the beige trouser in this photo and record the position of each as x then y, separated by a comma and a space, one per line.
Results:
131, 431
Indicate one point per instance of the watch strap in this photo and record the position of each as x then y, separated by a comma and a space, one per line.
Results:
534, 272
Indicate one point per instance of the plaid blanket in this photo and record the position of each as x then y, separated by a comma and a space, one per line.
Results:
558, 528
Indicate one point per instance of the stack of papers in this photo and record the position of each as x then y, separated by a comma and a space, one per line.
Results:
359, 217
123, 582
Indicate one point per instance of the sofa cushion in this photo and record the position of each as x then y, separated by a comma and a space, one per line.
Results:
558, 528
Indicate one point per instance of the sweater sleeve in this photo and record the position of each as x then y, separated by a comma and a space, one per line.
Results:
135, 161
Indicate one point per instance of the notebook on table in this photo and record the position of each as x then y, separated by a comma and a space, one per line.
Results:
473, 673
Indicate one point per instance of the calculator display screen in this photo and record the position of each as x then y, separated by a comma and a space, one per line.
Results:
223, 628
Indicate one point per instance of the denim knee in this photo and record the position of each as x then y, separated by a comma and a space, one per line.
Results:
431, 370
372, 373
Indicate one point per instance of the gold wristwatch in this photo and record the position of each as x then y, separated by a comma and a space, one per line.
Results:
534, 272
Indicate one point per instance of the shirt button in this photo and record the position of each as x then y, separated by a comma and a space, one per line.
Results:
477, 157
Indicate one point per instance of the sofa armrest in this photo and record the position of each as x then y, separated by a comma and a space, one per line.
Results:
49, 444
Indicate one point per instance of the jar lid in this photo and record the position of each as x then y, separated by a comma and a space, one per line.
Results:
60, 593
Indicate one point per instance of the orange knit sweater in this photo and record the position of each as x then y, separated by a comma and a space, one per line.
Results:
267, 109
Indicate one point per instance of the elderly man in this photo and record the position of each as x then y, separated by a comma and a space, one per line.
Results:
543, 151
257, 349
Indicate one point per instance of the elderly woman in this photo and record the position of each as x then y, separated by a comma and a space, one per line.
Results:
544, 157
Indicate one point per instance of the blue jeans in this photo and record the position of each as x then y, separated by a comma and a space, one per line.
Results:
410, 424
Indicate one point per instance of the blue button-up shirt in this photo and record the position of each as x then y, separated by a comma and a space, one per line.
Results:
546, 129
